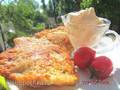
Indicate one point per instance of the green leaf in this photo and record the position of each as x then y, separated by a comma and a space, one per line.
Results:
3, 84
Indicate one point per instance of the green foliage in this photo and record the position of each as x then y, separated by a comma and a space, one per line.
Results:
24, 16
105, 8
21, 14
50, 10
86, 3
40, 26
3, 84
60, 7
3, 10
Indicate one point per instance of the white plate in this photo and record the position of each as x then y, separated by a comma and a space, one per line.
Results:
110, 49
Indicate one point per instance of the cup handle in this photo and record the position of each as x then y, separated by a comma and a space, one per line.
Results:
112, 34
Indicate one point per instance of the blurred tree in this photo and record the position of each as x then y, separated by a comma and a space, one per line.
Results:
60, 7
50, 10
24, 13
20, 12
24, 16
44, 5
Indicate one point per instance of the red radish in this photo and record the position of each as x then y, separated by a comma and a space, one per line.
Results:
101, 67
83, 57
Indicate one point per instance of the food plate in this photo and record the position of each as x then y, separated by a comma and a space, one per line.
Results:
108, 46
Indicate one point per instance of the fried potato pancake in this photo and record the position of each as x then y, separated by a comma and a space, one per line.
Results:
39, 60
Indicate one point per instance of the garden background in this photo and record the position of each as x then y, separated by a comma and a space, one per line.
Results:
25, 17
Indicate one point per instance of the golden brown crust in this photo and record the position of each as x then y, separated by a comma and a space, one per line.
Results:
57, 36
37, 61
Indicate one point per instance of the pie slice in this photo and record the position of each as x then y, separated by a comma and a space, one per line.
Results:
37, 61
